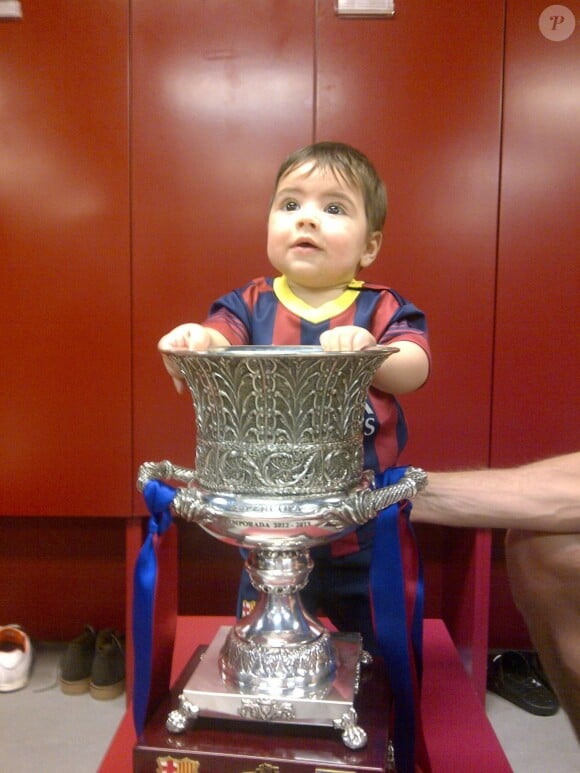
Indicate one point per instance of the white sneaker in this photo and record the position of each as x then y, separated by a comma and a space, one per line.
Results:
15, 658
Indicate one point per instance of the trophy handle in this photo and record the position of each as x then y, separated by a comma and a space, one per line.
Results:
362, 506
188, 502
412, 482
164, 471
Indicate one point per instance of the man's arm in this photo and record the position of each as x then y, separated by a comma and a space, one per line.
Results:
542, 496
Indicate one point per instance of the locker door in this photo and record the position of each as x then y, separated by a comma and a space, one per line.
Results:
65, 398
222, 92
421, 94
536, 399
65, 420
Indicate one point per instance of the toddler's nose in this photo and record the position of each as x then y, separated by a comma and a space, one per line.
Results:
308, 217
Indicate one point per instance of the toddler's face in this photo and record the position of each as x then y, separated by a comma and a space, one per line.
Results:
317, 230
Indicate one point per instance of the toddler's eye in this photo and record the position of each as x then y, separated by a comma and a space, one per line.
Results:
335, 209
290, 206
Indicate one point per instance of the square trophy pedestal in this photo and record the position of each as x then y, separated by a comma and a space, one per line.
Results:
221, 740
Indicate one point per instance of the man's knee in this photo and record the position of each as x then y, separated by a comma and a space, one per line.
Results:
541, 564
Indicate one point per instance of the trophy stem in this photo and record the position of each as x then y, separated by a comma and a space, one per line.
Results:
279, 647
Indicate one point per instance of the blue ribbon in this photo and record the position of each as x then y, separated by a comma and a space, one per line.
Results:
387, 579
158, 497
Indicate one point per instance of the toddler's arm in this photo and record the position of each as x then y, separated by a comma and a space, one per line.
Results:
402, 372
188, 336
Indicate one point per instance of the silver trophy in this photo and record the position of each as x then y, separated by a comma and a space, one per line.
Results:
279, 469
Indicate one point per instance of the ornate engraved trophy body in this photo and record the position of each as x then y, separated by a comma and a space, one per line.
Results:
279, 469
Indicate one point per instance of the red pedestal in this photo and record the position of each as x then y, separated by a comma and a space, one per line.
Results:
219, 745
458, 734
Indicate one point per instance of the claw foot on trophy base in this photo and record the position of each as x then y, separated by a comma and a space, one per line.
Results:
180, 719
366, 659
353, 736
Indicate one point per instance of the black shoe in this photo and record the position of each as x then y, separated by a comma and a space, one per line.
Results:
537, 668
108, 669
512, 675
77, 662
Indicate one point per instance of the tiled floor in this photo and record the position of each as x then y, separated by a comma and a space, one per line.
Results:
43, 730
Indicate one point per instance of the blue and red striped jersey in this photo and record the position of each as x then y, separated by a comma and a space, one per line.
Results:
266, 312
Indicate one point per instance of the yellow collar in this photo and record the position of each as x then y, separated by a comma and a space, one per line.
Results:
319, 313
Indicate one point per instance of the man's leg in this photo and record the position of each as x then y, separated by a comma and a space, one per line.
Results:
544, 572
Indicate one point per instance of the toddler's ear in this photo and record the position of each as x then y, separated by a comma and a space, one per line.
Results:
373, 246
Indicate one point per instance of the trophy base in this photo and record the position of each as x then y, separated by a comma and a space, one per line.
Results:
216, 742
330, 703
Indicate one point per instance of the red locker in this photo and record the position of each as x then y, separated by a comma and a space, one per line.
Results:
221, 93
65, 418
536, 399
421, 94
65, 270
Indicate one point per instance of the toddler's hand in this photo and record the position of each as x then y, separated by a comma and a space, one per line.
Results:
188, 336
348, 338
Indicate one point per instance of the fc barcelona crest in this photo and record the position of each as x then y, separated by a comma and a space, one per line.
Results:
173, 765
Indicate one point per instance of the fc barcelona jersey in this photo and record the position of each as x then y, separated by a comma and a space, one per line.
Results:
266, 312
